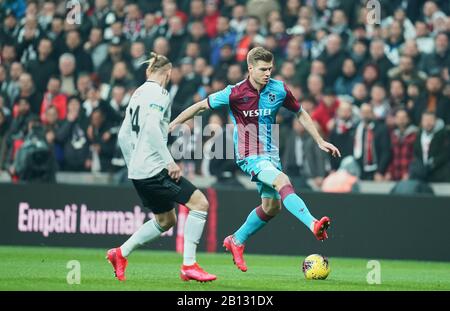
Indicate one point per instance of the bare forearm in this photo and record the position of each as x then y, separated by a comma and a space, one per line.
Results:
190, 112
308, 123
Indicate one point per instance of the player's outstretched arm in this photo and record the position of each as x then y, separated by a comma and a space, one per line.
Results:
308, 123
189, 113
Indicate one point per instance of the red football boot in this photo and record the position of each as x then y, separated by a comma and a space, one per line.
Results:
118, 262
196, 273
320, 228
237, 251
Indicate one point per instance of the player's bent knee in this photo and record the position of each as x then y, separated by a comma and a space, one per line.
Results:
198, 202
274, 209
280, 181
167, 221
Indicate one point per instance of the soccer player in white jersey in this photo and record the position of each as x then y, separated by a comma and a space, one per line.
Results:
156, 177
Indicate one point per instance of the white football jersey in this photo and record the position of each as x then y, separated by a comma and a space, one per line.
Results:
143, 134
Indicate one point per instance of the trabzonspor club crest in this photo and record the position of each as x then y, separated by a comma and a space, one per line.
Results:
272, 98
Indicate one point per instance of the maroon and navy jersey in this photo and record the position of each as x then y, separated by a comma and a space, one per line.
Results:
254, 114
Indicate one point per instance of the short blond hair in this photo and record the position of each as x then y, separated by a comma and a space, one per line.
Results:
259, 53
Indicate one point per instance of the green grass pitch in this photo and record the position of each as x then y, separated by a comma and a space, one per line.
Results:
43, 268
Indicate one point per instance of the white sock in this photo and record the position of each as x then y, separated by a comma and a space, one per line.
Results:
146, 233
193, 229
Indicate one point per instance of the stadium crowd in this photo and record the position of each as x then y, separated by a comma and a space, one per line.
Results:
379, 91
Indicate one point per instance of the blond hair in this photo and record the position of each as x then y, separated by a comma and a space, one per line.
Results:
157, 62
259, 53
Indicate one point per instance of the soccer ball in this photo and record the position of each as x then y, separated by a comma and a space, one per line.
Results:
316, 267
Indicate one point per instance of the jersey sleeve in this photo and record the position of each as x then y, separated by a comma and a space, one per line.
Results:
156, 109
290, 102
220, 98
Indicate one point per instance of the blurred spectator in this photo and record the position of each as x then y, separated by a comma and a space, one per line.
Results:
379, 58
150, 30
234, 74
46, 15
9, 27
118, 103
394, 42
290, 12
102, 143
315, 86
27, 90
74, 46
302, 65
196, 11
72, 137
54, 98
359, 94
333, 58
339, 25
372, 147
302, 157
345, 83
28, 38
188, 86
197, 34
397, 94
226, 59
56, 35
326, 111
94, 101
67, 74
402, 143
431, 12
251, 34
133, 23
434, 63
96, 48
161, 46
261, 8
411, 49
19, 123
239, 21
343, 132
175, 35
403, 21
44, 66
278, 31
359, 53
211, 19
224, 36
407, 72
425, 43
431, 151
115, 54
84, 84
379, 102
217, 160
432, 100
9, 54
